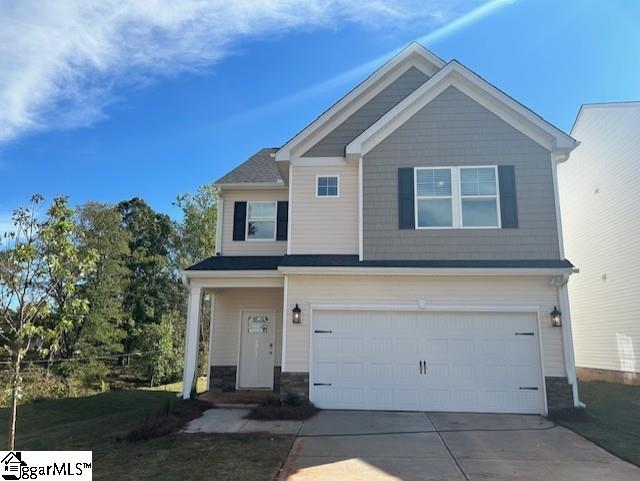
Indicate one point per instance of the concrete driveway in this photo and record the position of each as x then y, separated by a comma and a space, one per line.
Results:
377, 446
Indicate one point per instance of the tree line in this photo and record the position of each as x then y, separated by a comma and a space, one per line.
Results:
83, 289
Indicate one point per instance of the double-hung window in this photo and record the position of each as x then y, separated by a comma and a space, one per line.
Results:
261, 220
456, 197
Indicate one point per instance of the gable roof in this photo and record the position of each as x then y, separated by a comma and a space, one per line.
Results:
257, 169
414, 55
457, 75
630, 104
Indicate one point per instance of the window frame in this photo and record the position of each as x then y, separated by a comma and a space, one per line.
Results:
275, 220
456, 197
337, 186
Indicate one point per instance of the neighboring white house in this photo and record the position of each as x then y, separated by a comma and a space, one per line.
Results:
402, 252
600, 200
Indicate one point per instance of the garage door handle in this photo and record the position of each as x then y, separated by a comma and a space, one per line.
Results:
524, 333
322, 384
525, 388
323, 332
420, 363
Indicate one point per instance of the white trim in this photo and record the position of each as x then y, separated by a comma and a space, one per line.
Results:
229, 282
414, 55
285, 322
290, 209
273, 347
275, 220
231, 274
252, 185
320, 161
456, 197
556, 195
219, 223
209, 354
337, 186
457, 75
567, 339
425, 271
432, 308
360, 212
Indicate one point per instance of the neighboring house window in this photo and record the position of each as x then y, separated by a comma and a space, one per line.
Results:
434, 198
327, 186
261, 220
479, 196
456, 197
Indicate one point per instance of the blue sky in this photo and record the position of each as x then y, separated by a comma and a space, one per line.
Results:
163, 99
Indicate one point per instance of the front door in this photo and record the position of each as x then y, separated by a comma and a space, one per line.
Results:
256, 349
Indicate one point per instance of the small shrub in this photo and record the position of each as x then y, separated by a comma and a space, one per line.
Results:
292, 408
170, 419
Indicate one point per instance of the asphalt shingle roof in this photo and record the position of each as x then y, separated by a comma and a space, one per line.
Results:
260, 167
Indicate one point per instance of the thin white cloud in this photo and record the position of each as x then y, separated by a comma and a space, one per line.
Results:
60, 61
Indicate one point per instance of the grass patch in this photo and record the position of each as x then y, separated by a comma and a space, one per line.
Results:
170, 419
99, 423
613, 418
292, 408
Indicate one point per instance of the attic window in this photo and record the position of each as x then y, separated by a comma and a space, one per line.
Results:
327, 186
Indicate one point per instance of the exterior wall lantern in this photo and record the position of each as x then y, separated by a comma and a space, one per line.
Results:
556, 317
297, 314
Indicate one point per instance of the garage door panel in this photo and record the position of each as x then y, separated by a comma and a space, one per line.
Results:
474, 361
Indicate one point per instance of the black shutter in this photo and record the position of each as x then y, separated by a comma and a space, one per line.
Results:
508, 204
239, 220
281, 223
406, 217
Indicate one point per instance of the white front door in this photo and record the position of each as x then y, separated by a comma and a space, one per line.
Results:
426, 361
256, 349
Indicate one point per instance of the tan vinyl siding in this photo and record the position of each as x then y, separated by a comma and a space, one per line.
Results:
228, 303
452, 291
599, 198
249, 248
324, 225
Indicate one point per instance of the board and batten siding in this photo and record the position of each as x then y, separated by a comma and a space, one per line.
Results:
324, 225
227, 306
248, 247
599, 199
333, 144
305, 290
454, 130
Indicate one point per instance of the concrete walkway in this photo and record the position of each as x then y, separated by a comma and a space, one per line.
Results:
382, 446
231, 420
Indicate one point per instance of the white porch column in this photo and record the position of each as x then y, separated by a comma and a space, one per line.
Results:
192, 334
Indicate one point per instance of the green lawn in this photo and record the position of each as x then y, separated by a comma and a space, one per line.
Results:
615, 409
98, 423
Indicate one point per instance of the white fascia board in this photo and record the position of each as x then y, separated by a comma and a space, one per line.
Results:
415, 55
231, 274
424, 271
457, 75
252, 185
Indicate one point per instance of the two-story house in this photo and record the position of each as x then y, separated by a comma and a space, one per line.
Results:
402, 252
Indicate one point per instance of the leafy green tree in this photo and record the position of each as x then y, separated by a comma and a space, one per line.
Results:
198, 227
103, 331
66, 265
161, 339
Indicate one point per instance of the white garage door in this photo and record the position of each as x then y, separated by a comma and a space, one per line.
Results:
426, 361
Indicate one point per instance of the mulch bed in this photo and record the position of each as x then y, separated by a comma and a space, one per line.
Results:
291, 408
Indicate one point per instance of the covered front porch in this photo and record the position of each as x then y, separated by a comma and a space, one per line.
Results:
245, 330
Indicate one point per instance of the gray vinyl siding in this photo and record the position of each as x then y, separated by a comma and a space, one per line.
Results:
334, 143
455, 130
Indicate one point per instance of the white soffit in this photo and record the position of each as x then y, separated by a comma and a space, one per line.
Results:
415, 55
457, 75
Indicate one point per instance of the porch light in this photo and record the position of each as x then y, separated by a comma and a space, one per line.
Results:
296, 314
556, 317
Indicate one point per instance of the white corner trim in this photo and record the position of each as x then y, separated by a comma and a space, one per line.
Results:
556, 195
360, 213
567, 339
415, 55
219, 223
472, 85
290, 210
